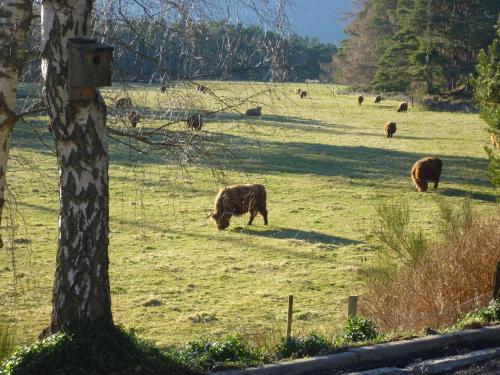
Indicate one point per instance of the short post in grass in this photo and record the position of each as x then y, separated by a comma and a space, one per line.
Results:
496, 283
352, 309
289, 317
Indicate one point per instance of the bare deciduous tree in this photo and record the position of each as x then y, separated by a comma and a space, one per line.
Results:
15, 20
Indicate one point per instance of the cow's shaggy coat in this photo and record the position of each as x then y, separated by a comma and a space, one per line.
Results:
425, 170
390, 129
238, 200
194, 122
360, 99
123, 103
403, 107
253, 111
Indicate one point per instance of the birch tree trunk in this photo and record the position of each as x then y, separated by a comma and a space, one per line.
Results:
81, 294
15, 20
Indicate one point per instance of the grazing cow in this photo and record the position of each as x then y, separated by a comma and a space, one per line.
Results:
360, 99
403, 107
134, 118
494, 141
123, 103
390, 129
378, 99
253, 111
303, 94
201, 89
298, 91
425, 170
238, 200
194, 122
163, 89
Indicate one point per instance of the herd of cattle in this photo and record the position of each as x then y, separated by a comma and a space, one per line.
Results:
240, 199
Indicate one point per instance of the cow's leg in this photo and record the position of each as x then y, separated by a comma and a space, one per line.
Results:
436, 184
263, 212
253, 213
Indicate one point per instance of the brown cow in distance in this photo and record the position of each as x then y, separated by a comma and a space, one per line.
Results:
238, 200
303, 94
123, 103
134, 118
390, 129
201, 89
425, 170
360, 99
378, 99
403, 107
253, 111
163, 89
194, 122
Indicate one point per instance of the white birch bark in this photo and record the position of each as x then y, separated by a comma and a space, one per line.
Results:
81, 294
15, 20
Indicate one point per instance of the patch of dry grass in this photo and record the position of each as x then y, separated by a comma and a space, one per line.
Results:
452, 278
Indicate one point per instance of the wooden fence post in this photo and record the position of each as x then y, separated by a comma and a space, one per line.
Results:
352, 309
496, 283
289, 317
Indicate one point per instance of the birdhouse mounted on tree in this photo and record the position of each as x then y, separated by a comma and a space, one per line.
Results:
89, 67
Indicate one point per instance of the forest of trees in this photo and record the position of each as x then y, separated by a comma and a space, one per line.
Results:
427, 46
249, 46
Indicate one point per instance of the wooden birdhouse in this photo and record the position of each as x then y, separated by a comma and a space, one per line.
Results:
89, 67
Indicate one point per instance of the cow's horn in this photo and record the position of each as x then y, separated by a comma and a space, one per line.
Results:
210, 214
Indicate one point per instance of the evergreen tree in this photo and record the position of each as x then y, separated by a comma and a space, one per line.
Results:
487, 94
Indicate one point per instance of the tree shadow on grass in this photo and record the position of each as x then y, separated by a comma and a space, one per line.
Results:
449, 192
299, 235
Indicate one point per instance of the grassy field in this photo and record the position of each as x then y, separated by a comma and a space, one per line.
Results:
174, 276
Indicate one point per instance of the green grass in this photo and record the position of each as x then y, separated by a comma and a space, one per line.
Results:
174, 277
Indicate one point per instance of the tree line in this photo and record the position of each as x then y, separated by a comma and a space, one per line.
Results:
206, 55
428, 46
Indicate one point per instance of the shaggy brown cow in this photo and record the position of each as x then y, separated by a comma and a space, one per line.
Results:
390, 129
403, 107
134, 118
163, 89
378, 99
425, 170
253, 111
194, 122
200, 89
303, 94
298, 91
123, 103
494, 141
360, 99
238, 200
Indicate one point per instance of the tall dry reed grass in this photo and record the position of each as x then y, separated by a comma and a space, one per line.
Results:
452, 277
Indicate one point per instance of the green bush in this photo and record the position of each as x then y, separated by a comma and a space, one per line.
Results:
357, 329
399, 243
310, 345
231, 351
489, 314
100, 350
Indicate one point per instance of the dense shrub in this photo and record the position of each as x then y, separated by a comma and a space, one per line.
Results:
310, 345
357, 329
489, 314
231, 351
451, 278
105, 350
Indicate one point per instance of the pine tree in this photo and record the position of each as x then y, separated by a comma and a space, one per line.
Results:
487, 94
